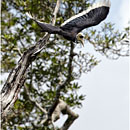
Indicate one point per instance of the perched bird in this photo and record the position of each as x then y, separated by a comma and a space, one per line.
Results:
72, 27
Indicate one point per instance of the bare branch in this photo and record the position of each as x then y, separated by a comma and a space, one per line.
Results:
63, 108
36, 103
71, 118
56, 11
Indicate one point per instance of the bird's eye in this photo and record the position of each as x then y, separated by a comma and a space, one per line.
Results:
81, 36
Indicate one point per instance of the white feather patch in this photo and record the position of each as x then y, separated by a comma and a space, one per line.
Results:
106, 3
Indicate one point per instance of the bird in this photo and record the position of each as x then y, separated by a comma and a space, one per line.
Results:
71, 28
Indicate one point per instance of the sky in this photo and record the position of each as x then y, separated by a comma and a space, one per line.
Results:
106, 87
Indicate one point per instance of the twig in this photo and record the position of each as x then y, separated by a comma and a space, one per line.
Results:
36, 103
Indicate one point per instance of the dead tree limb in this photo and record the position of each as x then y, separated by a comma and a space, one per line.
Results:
17, 76
71, 117
63, 108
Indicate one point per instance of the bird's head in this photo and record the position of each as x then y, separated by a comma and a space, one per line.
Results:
80, 38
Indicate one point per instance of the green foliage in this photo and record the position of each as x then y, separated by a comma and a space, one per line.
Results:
110, 42
51, 66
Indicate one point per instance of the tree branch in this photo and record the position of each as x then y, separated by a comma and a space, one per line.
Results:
62, 86
17, 76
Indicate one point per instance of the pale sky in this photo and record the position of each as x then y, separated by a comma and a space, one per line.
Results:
107, 86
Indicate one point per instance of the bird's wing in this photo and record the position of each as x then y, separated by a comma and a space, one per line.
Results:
45, 27
90, 17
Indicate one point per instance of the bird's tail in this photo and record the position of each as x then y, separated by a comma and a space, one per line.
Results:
45, 26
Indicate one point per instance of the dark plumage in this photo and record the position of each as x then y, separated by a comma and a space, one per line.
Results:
70, 28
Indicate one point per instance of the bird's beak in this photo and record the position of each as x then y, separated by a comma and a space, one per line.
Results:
82, 42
